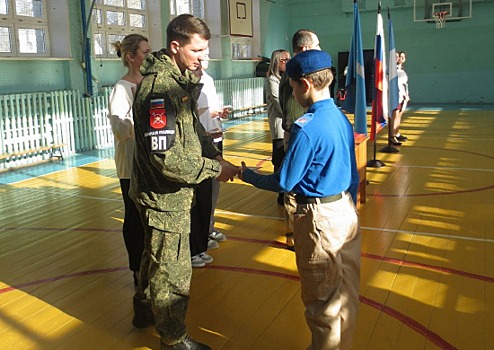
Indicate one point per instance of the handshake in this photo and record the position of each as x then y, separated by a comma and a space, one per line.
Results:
229, 170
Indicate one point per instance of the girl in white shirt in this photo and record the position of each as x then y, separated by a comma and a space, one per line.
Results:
132, 50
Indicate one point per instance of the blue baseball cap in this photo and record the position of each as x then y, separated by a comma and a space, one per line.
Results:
307, 62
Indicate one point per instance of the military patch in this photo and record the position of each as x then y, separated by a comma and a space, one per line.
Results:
185, 99
162, 118
303, 120
157, 118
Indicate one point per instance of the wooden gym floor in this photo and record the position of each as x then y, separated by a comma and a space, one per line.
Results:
427, 278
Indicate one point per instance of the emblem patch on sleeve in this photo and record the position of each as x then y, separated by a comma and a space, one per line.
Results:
161, 131
157, 113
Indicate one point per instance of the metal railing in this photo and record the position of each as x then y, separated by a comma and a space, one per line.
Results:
33, 124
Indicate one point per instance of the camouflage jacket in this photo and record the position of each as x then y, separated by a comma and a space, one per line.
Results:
291, 109
172, 151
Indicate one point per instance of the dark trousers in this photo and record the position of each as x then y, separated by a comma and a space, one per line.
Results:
278, 153
133, 232
200, 216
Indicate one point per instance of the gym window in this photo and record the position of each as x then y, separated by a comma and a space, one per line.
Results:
113, 20
24, 28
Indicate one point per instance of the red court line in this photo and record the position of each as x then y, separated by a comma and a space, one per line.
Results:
409, 322
61, 277
440, 193
429, 267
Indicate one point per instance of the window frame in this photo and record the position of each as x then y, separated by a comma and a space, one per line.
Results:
17, 22
106, 30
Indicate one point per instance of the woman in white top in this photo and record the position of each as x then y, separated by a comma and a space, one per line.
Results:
396, 137
132, 50
277, 67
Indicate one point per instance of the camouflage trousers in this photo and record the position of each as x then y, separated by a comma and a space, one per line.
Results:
166, 271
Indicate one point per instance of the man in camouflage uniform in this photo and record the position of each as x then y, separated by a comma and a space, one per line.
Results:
168, 164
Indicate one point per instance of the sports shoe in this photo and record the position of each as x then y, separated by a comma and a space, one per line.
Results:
394, 141
208, 259
289, 241
217, 236
143, 315
187, 344
401, 138
212, 244
281, 199
197, 261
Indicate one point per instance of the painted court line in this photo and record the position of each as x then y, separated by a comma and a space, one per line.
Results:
486, 240
406, 320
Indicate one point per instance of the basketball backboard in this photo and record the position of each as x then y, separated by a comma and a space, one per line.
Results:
452, 10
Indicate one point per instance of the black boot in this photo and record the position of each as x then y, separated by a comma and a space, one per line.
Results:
143, 314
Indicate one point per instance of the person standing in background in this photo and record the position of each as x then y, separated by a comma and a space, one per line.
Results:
210, 115
279, 59
203, 235
302, 40
397, 138
132, 50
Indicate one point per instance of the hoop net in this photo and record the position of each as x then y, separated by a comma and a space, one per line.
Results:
440, 18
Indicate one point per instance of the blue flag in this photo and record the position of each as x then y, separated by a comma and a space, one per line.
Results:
355, 79
394, 95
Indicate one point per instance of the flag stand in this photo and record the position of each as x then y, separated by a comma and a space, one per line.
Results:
375, 163
389, 148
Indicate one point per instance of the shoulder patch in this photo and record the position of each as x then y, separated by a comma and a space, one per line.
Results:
161, 128
304, 120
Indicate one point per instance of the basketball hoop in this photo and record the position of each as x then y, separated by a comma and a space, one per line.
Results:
440, 18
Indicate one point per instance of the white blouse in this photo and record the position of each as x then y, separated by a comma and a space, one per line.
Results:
122, 125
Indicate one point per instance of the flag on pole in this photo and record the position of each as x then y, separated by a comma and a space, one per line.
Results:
355, 78
380, 95
394, 95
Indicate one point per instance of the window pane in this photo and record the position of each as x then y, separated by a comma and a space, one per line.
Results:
97, 16
5, 40
173, 12
115, 18
31, 40
118, 3
136, 20
30, 8
4, 7
113, 38
136, 4
182, 7
198, 8
98, 44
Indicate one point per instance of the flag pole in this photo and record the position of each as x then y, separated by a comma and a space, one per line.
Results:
389, 148
375, 163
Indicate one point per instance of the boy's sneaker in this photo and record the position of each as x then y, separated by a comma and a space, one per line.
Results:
401, 138
212, 244
206, 258
197, 261
217, 236
394, 141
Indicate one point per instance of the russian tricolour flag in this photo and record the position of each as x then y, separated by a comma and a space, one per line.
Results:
380, 96
355, 78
